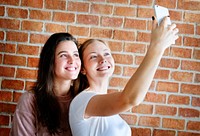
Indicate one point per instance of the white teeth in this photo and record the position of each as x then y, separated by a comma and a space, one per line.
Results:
71, 68
103, 68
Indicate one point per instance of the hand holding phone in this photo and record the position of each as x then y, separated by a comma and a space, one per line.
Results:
160, 13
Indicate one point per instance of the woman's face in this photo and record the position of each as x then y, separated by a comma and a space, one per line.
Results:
67, 61
98, 61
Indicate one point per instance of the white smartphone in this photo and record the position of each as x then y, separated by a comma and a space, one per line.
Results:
160, 13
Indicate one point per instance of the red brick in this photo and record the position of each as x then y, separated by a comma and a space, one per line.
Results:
197, 78
191, 41
5, 96
88, 19
191, 17
182, 76
198, 30
111, 22
180, 52
16, 96
143, 109
143, 37
32, 3
12, 84
188, 134
193, 125
6, 47
115, 46
124, 35
141, 131
4, 131
130, 119
27, 49
63, 17
165, 110
123, 58
189, 4
190, 65
180, 100
169, 63
101, 9
118, 70
135, 24
134, 48
190, 89
139, 59
125, 11
10, 2
149, 121
17, 13
173, 123
118, 82
187, 112
8, 108
2, 11
129, 71
167, 86
50, 27
195, 101
167, 3
14, 60
10, 23
1, 35
40, 15
26, 73
17, 36
156, 98
162, 74
141, 2
32, 26
77, 30
101, 33
29, 85
55, 4
176, 16
185, 28
157, 132
196, 54
4, 120
145, 12
77, 6
33, 62
38, 38
118, 1
7, 71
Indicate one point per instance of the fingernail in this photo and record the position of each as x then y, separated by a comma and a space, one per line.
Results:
153, 18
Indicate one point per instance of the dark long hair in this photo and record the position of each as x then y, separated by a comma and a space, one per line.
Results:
47, 106
82, 81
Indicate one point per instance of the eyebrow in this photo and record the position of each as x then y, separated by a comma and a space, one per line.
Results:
103, 50
65, 52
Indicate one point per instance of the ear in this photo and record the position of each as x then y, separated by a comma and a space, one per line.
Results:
83, 71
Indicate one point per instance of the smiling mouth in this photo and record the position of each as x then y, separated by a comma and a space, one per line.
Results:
71, 68
103, 68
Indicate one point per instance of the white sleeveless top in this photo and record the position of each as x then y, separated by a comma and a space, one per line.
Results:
94, 126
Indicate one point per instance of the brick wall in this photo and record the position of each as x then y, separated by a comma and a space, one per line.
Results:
172, 104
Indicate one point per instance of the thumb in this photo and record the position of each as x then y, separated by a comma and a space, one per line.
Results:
154, 23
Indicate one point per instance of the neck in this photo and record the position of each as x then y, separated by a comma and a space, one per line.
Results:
99, 86
61, 87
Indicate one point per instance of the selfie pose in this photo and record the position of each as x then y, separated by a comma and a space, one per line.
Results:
93, 112
43, 111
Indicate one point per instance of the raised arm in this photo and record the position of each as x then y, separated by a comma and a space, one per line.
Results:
134, 92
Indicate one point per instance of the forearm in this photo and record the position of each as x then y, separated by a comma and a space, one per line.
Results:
139, 83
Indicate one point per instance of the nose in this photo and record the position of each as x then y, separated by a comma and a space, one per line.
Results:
70, 60
102, 60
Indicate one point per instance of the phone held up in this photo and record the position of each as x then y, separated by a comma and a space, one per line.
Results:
160, 13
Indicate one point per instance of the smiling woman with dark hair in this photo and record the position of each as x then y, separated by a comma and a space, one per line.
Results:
43, 111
